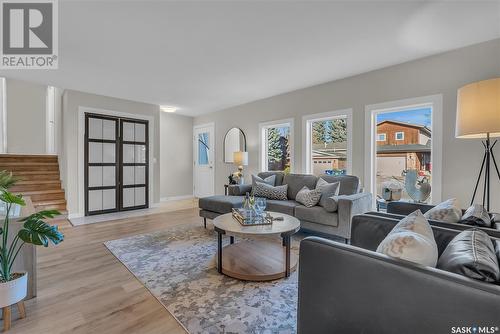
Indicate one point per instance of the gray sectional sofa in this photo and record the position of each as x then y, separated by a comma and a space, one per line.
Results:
316, 219
354, 289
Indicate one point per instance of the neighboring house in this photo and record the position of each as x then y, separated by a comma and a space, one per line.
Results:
329, 157
402, 146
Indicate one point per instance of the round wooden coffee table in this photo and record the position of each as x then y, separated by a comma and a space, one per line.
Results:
252, 258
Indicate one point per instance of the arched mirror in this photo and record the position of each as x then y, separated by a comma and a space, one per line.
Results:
234, 141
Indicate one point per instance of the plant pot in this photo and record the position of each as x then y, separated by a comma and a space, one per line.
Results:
13, 291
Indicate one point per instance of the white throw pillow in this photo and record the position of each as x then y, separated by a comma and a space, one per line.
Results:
448, 211
411, 240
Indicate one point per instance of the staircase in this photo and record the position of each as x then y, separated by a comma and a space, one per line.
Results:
38, 178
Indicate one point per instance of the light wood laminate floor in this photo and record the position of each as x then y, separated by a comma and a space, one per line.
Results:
83, 288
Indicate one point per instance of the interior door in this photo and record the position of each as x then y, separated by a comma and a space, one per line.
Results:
116, 164
135, 160
101, 164
204, 172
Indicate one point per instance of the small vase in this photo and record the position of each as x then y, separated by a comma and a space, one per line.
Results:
14, 291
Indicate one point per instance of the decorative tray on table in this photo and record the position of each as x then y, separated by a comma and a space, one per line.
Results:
241, 216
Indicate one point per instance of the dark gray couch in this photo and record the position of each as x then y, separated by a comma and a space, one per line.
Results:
352, 289
317, 219
397, 210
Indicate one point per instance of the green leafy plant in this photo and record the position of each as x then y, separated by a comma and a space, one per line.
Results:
34, 231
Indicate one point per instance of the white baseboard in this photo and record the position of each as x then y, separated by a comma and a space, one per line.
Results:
75, 215
175, 198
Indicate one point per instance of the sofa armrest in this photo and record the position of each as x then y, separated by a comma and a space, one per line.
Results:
405, 208
239, 189
346, 289
350, 205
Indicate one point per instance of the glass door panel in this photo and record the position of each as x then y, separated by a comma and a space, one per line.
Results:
101, 164
134, 176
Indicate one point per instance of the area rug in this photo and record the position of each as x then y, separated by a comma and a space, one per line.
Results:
178, 267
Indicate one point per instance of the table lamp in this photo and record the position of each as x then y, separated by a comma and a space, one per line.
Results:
240, 159
478, 116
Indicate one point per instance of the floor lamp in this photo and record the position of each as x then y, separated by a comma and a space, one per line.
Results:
478, 116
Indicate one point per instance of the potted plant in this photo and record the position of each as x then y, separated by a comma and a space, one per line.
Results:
13, 285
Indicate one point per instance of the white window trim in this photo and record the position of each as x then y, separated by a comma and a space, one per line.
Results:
263, 141
307, 121
434, 101
396, 135
381, 134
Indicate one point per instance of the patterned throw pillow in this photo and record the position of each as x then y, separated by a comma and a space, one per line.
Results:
308, 197
476, 215
270, 192
449, 211
411, 240
328, 191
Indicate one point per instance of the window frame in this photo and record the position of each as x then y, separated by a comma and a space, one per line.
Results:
263, 127
382, 134
371, 111
308, 120
396, 135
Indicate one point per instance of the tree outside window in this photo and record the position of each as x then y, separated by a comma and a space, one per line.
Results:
278, 148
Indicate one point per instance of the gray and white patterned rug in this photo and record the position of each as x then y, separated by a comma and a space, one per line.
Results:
178, 267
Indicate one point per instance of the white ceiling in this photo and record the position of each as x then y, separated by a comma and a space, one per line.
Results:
206, 56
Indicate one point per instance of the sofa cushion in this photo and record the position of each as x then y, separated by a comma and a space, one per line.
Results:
476, 215
279, 177
412, 240
448, 211
308, 197
286, 207
471, 253
296, 182
220, 203
316, 214
328, 190
270, 192
349, 184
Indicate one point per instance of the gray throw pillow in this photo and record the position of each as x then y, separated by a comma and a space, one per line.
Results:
270, 192
270, 180
471, 253
328, 190
330, 204
476, 215
308, 197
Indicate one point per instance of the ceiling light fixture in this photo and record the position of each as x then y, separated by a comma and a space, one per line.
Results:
168, 108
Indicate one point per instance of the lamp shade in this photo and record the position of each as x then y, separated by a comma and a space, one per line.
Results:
240, 158
478, 109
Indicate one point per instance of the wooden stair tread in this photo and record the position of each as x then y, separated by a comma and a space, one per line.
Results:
14, 164
34, 172
28, 156
25, 182
38, 192
48, 202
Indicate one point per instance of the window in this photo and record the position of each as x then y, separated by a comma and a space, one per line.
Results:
203, 148
327, 142
410, 157
276, 145
381, 136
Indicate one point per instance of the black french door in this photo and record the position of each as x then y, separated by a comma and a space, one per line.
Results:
116, 164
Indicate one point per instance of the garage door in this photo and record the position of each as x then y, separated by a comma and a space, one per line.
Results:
390, 166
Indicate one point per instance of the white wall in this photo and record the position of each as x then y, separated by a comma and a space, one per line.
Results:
26, 117
176, 156
440, 74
